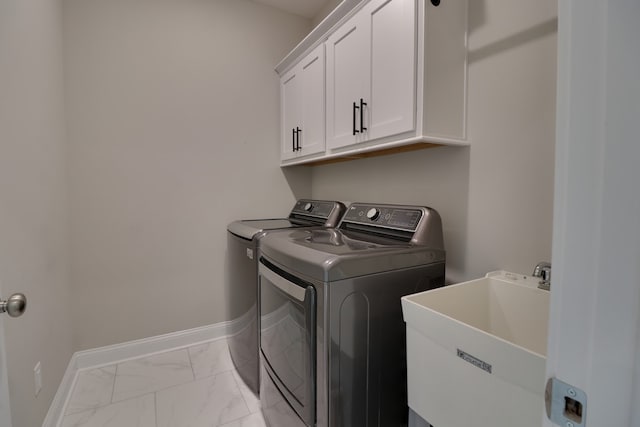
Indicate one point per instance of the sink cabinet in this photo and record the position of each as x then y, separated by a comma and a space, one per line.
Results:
396, 78
476, 352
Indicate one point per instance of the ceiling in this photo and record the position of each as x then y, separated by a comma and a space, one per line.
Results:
305, 8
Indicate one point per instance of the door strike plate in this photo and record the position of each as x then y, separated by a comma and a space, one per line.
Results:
566, 405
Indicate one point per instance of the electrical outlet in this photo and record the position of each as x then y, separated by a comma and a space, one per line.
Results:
37, 376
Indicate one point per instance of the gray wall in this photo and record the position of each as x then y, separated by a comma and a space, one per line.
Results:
496, 196
173, 113
33, 202
172, 109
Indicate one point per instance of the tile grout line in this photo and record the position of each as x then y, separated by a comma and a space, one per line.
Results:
208, 378
97, 408
249, 413
113, 389
91, 408
166, 387
193, 371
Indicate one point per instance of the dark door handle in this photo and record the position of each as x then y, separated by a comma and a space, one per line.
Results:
355, 107
298, 132
362, 105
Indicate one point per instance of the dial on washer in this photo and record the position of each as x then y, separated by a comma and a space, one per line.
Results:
373, 214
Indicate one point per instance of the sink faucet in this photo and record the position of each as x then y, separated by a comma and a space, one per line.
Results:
543, 271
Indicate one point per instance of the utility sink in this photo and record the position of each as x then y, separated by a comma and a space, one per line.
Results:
476, 352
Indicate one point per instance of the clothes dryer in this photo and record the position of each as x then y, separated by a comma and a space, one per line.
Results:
241, 290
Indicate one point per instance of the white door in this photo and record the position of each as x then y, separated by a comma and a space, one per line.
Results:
302, 93
290, 116
5, 412
311, 135
347, 82
391, 27
594, 333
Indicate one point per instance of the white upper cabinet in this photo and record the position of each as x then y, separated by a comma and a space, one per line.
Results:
392, 33
289, 108
442, 71
371, 74
347, 75
396, 76
302, 107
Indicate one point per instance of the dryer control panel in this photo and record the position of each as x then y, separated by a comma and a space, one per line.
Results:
319, 212
319, 208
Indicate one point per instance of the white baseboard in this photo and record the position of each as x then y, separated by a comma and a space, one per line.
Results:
132, 349
54, 415
109, 355
236, 326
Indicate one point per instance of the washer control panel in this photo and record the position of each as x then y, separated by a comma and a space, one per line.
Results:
317, 208
388, 216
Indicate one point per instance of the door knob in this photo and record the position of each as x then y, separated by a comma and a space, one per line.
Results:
14, 306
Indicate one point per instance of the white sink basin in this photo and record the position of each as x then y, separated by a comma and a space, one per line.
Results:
476, 352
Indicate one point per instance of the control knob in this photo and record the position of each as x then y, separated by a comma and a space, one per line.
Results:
308, 206
373, 214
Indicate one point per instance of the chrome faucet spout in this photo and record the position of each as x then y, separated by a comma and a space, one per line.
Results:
543, 271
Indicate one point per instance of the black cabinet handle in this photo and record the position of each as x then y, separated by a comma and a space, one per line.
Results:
298, 131
362, 105
355, 107
293, 140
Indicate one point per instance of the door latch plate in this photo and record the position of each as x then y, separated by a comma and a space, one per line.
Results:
566, 405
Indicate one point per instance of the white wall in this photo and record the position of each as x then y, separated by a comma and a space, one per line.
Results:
33, 202
326, 9
496, 196
173, 125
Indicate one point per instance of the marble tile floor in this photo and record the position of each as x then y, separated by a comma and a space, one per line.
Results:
195, 387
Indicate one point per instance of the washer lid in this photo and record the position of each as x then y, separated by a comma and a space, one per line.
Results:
328, 254
248, 229
306, 212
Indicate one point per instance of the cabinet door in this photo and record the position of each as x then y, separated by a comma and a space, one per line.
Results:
311, 90
391, 27
347, 81
289, 112
445, 70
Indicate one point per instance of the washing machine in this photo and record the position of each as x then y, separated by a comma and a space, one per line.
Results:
241, 289
332, 335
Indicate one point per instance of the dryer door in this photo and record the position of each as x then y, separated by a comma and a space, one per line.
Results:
287, 337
